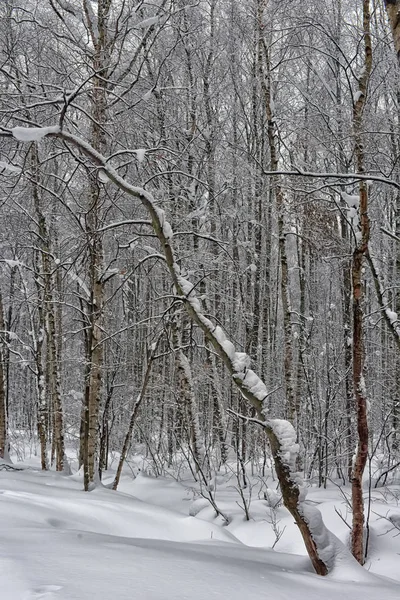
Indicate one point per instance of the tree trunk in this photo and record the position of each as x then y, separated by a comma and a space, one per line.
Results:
186, 394
360, 251
266, 85
135, 411
95, 350
3, 411
392, 9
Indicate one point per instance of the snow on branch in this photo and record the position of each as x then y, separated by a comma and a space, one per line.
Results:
33, 134
9, 167
147, 23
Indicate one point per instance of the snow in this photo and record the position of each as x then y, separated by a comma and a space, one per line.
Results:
140, 154
363, 387
147, 22
9, 167
352, 201
219, 335
357, 96
352, 213
59, 543
102, 176
75, 277
287, 437
160, 214
330, 549
167, 230
33, 134
186, 285
241, 362
392, 316
254, 384
12, 263
229, 348
187, 288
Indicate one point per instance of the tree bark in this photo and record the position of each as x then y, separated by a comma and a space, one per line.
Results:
186, 394
393, 12
360, 251
95, 349
3, 411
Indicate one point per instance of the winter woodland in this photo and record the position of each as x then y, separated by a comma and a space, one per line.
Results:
200, 249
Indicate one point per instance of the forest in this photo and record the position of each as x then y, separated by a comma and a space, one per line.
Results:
200, 248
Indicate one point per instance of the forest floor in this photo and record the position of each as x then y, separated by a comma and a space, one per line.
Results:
141, 543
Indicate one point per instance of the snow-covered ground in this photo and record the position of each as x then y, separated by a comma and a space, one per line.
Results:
140, 543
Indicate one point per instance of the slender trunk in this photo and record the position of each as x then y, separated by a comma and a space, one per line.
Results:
105, 431
219, 419
360, 251
40, 266
94, 383
186, 394
393, 8
95, 349
53, 374
266, 84
9, 320
135, 411
3, 411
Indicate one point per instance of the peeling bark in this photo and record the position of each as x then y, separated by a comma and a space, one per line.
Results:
360, 251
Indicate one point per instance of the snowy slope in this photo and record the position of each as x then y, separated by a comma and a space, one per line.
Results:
57, 542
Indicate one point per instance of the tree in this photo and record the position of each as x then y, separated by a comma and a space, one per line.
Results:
255, 138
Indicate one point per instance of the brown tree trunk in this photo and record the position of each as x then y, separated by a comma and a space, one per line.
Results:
3, 411
360, 251
393, 11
